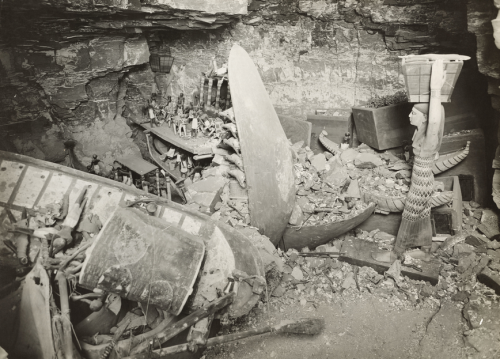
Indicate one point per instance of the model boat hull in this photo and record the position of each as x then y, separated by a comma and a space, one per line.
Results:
313, 236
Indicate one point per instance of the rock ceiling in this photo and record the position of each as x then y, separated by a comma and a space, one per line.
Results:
58, 20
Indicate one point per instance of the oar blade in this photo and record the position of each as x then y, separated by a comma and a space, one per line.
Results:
309, 326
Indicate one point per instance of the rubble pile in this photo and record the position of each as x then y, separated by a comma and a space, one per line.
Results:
324, 191
306, 279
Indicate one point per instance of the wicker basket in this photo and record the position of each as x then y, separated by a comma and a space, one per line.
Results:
417, 73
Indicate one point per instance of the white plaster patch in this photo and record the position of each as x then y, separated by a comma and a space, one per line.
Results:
191, 225
172, 216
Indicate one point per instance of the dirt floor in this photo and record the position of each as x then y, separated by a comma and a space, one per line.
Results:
361, 325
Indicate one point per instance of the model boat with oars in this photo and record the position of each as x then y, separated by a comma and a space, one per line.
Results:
102, 248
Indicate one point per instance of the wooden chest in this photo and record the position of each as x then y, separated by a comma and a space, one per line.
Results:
384, 127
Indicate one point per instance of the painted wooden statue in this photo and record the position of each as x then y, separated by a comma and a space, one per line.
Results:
415, 229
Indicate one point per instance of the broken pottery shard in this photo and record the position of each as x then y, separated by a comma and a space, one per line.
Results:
349, 281
297, 216
367, 160
402, 165
336, 176
297, 273
394, 271
348, 155
239, 175
279, 291
234, 158
319, 162
383, 237
353, 189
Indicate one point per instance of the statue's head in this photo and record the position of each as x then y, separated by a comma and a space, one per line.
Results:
418, 114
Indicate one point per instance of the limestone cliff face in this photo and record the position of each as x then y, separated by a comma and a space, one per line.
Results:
479, 15
81, 68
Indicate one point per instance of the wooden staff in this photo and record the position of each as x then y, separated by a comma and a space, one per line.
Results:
307, 326
158, 182
65, 316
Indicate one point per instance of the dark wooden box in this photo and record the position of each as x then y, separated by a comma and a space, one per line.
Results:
336, 126
384, 127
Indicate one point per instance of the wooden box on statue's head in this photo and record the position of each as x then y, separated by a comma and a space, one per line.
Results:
417, 73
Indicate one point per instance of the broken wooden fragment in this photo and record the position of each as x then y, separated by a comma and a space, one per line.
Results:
129, 245
491, 279
166, 333
356, 251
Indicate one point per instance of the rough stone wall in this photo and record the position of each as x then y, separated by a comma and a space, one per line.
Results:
480, 13
86, 80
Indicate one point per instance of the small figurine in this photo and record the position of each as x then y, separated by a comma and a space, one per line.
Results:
194, 124
182, 126
151, 114
94, 166
170, 110
178, 160
180, 102
345, 142
176, 120
184, 166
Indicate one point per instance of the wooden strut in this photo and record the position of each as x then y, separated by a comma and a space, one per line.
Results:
65, 316
164, 333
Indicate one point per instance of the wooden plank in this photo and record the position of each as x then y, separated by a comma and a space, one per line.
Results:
137, 164
105, 202
33, 182
358, 252
10, 173
172, 216
58, 184
264, 147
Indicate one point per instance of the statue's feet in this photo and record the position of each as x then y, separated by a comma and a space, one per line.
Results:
385, 256
419, 254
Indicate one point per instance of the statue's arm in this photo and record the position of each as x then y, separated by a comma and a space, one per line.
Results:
436, 112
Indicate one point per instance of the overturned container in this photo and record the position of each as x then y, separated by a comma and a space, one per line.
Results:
144, 259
